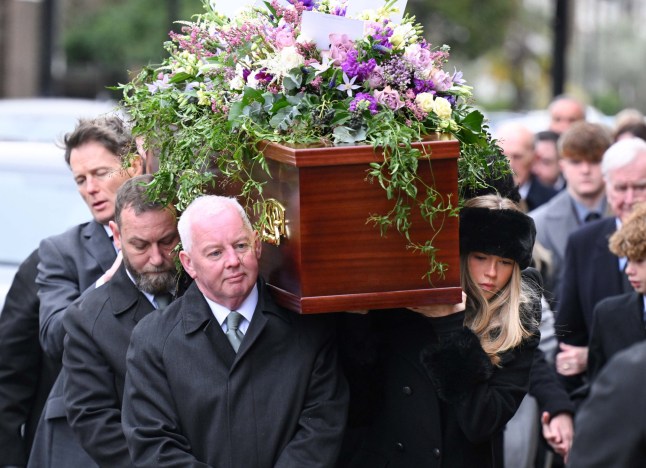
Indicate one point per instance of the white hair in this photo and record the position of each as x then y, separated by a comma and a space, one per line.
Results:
621, 154
204, 206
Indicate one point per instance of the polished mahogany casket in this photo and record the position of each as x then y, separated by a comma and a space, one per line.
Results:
328, 257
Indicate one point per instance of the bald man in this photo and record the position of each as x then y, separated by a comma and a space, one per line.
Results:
517, 144
564, 111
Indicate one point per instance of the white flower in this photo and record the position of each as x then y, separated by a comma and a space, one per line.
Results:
285, 60
237, 82
323, 66
424, 101
442, 108
403, 34
348, 84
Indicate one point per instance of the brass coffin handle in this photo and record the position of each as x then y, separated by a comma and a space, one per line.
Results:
275, 226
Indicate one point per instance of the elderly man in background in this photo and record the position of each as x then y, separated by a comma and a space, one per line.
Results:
564, 111
591, 271
517, 144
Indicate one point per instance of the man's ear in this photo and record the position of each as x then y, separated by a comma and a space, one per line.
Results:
257, 244
185, 259
136, 166
116, 234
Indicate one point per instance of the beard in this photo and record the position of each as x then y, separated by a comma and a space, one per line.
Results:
153, 280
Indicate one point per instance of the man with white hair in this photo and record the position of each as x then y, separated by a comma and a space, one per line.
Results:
591, 271
224, 376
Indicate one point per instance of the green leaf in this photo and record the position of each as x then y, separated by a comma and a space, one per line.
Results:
179, 77
473, 121
293, 80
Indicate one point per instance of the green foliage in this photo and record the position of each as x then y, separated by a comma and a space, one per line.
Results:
226, 89
473, 27
121, 33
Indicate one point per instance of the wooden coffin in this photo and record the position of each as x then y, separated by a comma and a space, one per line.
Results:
330, 259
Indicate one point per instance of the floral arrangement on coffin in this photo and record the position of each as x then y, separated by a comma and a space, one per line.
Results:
231, 83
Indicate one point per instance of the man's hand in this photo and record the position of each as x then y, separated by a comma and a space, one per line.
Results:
107, 276
572, 360
558, 432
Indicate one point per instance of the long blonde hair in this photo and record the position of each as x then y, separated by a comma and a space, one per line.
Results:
502, 322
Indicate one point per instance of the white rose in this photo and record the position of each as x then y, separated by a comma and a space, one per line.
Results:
442, 108
424, 101
236, 83
289, 58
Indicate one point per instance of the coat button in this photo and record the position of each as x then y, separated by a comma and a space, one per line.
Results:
407, 390
436, 452
399, 446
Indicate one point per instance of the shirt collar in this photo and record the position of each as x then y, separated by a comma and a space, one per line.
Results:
246, 309
582, 211
150, 297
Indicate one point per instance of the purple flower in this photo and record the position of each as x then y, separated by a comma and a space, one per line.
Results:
423, 86
359, 69
362, 102
308, 4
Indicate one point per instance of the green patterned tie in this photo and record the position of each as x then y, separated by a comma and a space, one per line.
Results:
163, 300
234, 335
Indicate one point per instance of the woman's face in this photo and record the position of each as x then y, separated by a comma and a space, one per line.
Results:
490, 272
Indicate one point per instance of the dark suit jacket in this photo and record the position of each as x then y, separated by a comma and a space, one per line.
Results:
617, 324
26, 373
591, 274
94, 360
191, 401
538, 194
70, 263
611, 422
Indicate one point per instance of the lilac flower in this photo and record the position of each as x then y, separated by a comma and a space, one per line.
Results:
348, 85
364, 101
457, 78
396, 73
160, 84
191, 86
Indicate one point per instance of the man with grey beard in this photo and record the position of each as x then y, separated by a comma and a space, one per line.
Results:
99, 327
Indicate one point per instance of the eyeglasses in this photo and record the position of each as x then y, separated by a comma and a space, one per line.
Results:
638, 187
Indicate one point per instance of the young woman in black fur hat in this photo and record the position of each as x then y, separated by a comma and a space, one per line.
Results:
434, 386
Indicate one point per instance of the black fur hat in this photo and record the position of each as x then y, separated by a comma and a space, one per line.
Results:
506, 233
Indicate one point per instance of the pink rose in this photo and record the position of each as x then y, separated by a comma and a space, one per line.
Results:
340, 45
285, 38
389, 97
